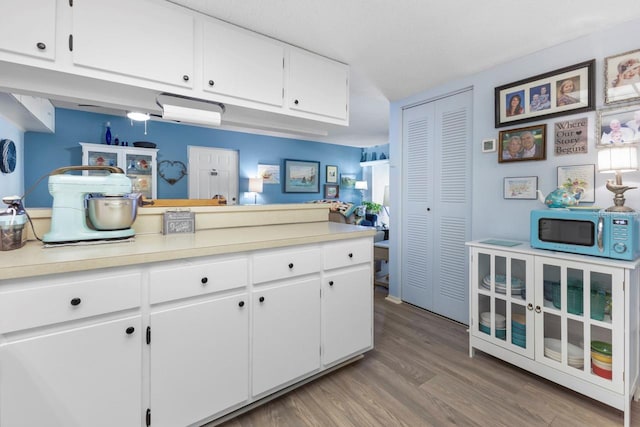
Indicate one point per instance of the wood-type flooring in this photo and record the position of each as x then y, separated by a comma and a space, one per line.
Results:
420, 374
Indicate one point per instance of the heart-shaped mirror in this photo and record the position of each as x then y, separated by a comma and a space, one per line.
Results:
171, 171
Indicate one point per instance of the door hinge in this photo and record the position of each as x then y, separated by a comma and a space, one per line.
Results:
71, 42
320, 348
148, 417
282, 62
282, 93
148, 334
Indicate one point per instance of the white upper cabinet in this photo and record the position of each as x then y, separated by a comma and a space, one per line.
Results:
242, 64
146, 39
317, 85
29, 28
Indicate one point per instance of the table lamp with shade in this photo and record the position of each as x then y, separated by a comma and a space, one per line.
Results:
362, 186
618, 159
255, 187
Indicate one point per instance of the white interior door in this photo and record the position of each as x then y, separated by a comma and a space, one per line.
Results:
213, 171
437, 159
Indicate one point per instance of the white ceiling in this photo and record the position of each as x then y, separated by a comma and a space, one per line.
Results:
397, 48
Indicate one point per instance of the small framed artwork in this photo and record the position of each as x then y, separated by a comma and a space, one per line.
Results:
568, 90
622, 77
516, 145
332, 174
301, 176
270, 174
521, 187
571, 137
348, 180
331, 191
618, 126
579, 180
488, 145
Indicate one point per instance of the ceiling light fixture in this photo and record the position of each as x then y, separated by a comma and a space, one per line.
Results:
137, 116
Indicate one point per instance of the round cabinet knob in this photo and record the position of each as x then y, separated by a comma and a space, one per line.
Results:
350, 255
331, 283
428, 209
185, 78
295, 101
211, 82
130, 330
76, 301
204, 280
41, 46
529, 306
241, 304
261, 299
290, 265
538, 309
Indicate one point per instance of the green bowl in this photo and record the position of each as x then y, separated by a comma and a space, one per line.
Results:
601, 347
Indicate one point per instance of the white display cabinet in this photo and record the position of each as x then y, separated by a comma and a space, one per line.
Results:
139, 164
548, 312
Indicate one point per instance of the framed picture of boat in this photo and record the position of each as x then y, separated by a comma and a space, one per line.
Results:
301, 176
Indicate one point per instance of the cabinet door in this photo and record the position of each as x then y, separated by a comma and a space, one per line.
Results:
242, 64
28, 27
317, 85
286, 333
347, 327
199, 360
502, 293
140, 168
88, 376
146, 39
580, 305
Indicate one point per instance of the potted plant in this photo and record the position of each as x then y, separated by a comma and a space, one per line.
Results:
372, 207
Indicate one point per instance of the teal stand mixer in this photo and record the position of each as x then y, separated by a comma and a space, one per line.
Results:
70, 218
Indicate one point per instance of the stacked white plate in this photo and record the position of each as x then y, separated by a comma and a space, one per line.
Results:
501, 286
553, 350
485, 319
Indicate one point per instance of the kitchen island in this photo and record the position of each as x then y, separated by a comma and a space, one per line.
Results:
180, 329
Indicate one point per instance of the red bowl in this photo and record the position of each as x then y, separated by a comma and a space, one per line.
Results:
601, 372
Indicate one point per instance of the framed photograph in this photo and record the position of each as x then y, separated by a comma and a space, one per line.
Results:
618, 126
301, 176
348, 180
580, 180
488, 145
568, 90
622, 77
516, 145
270, 174
331, 191
332, 174
521, 187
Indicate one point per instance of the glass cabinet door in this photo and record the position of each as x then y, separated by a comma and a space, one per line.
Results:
577, 329
503, 289
138, 168
101, 158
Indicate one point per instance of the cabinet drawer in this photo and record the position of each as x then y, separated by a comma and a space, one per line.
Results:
61, 302
346, 253
276, 265
189, 279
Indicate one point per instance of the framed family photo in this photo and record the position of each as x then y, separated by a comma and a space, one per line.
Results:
528, 143
568, 90
301, 176
618, 126
521, 187
580, 180
622, 77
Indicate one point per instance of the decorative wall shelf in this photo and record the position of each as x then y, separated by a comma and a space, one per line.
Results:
374, 163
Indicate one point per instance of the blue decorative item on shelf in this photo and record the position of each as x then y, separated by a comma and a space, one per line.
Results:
107, 135
374, 156
382, 156
363, 156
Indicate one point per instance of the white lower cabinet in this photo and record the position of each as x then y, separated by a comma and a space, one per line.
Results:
78, 377
199, 360
286, 333
572, 319
347, 313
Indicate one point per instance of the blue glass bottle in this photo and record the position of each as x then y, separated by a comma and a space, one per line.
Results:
107, 136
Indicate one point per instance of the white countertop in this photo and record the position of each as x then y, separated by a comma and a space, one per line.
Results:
34, 259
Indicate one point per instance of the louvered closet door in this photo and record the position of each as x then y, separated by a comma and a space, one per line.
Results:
436, 205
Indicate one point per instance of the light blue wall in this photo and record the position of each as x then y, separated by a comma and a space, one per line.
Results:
12, 183
493, 215
46, 152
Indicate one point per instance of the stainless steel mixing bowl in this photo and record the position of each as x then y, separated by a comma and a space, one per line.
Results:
112, 213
